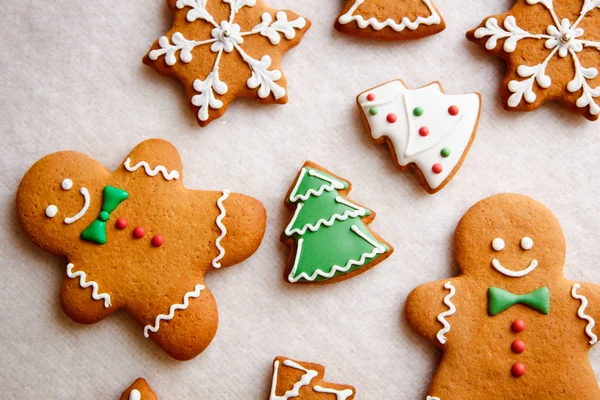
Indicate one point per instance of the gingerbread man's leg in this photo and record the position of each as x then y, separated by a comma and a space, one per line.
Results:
187, 328
84, 301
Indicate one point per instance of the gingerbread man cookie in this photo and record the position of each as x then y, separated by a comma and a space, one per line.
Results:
223, 49
511, 325
425, 129
552, 48
304, 381
139, 390
137, 239
390, 19
328, 232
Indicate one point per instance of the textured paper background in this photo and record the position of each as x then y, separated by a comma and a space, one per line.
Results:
71, 77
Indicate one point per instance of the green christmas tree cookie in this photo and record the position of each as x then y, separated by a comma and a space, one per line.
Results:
329, 234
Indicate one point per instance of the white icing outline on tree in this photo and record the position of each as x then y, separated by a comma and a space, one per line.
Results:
305, 380
433, 19
227, 36
562, 37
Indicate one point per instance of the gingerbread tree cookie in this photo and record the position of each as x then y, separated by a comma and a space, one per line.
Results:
223, 49
304, 381
425, 129
552, 49
137, 239
511, 325
390, 19
328, 231
139, 390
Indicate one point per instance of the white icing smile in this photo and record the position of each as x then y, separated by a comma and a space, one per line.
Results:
86, 204
514, 274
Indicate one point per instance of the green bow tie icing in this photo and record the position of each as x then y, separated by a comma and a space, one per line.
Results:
500, 300
111, 198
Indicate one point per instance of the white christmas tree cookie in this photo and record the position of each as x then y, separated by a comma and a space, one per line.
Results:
328, 232
424, 128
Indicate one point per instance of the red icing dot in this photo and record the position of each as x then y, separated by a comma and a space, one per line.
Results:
121, 223
437, 168
158, 240
518, 346
423, 131
453, 110
391, 118
370, 97
138, 232
518, 326
518, 370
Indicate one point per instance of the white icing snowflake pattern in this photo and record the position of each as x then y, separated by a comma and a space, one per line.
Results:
227, 37
562, 39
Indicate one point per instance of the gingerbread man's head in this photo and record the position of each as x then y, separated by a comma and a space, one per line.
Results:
510, 235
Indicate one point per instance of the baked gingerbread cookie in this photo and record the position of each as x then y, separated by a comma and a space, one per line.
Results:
511, 326
139, 390
137, 239
425, 129
552, 51
328, 232
304, 381
223, 49
390, 19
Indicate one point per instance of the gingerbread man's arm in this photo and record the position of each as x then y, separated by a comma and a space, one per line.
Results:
429, 309
153, 161
588, 297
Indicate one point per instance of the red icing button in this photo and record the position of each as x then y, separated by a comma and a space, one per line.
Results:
518, 326
437, 168
518, 370
158, 240
453, 110
518, 346
138, 232
121, 223
423, 131
370, 97
391, 118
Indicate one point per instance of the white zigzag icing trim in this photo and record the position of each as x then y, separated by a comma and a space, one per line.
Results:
308, 376
219, 221
581, 314
135, 395
175, 307
339, 394
333, 184
95, 295
359, 212
378, 249
151, 172
432, 398
433, 19
441, 335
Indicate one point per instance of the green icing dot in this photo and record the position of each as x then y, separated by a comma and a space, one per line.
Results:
104, 216
373, 110
445, 152
418, 111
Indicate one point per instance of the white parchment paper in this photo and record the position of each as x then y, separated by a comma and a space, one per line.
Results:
71, 78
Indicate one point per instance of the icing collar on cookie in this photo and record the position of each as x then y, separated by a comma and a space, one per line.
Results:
514, 274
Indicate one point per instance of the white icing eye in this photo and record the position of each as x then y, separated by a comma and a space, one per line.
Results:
51, 211
66, 184
526, 243
498, 244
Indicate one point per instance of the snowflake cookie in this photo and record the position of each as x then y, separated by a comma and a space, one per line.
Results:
304, 381
390, 19
552, 48
136, 239
223, 49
